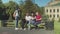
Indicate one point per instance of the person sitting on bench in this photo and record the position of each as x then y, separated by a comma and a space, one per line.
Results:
23, 22
28, 20
38, 18
33, 19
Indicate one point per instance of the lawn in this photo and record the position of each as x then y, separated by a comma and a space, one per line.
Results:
57, 27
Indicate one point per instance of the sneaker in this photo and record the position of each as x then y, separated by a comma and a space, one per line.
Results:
24, 28
16, 28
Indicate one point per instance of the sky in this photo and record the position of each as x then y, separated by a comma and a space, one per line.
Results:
40, 3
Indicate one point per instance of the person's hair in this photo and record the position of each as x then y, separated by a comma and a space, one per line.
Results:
32, 15
27, 13
38, 12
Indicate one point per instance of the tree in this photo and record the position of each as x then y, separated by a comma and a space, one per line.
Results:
26, 6
22, 10
1, 3
32, 7
29, 6
11, 6
45, 18
42, 10
1, 9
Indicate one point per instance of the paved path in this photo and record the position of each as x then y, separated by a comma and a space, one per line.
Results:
12, 31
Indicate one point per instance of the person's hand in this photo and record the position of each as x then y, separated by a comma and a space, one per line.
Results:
38, 19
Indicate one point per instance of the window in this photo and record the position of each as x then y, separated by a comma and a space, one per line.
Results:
57, 15
50, 10
54, 15
47, 10
53, 10
57, 10
50, 16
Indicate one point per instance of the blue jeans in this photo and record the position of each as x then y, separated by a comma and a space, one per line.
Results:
37, 22
28, 22
33, 22
16, 18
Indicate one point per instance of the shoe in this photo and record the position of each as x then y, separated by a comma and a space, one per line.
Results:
24, 28
16, 28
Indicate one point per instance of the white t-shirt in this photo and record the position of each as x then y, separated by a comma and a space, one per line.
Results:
16, 13
28, 18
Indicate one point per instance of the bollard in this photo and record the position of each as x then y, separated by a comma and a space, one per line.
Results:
0, 23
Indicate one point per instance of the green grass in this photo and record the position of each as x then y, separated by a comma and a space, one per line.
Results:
57, 27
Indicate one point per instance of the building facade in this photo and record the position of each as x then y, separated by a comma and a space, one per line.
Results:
53, 10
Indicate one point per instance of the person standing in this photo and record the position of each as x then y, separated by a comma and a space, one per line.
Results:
16, 16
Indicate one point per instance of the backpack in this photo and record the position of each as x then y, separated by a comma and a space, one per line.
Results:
14, 14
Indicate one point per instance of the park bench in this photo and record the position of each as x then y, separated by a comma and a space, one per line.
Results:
41, 25
6, 23
12, 24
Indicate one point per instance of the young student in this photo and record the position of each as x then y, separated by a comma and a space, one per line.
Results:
16, 16
38, 18
23, 22
33, 19
28, 20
